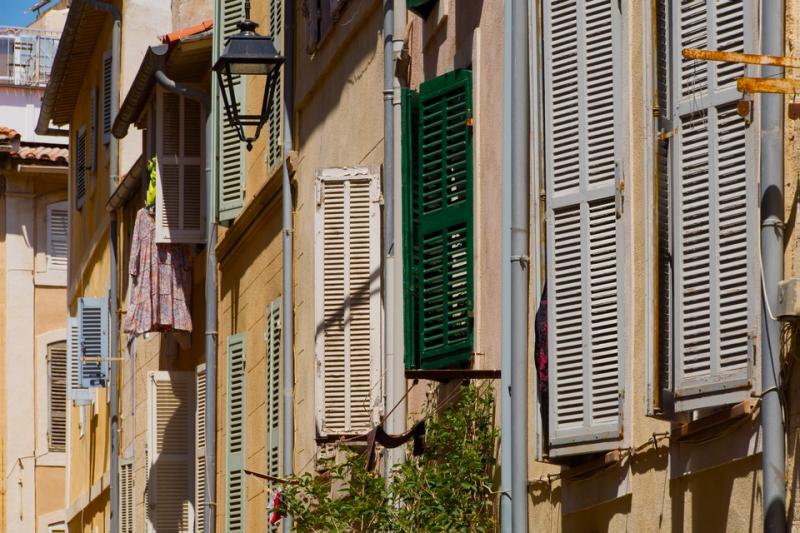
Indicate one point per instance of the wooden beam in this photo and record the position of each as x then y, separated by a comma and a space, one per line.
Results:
738, 57
768, 85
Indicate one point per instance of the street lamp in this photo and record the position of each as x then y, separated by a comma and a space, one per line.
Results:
247, 53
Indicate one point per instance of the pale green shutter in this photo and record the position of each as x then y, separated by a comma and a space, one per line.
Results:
229, 168
275, 138
582, 115
714, 202
75, 392
273, 339
235, 492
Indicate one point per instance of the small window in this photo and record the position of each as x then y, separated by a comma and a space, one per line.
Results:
321, 16
57, 396
57, 236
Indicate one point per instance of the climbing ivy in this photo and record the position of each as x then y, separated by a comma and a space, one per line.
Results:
447, 488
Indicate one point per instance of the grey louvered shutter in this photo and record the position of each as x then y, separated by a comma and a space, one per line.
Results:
714, 222
230, 161
582, 102
57, 236
273, 339
347, 279
107, 88
180, 205
80, 167
235, 497
275, 135
170, 441
79, 395
126, 491
92, 162
200, 450
92, 342
57, 396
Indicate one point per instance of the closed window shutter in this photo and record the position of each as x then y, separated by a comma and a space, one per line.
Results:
410, 140
92, 162
439, 236
79, 395
230, 150
57, 396
275, 137
126, 491
107, 97
200, 450
582, 111
180, 209
347, 265
171, 437
273, 338
80, 167
713, 187
235, 492
93, 342
57, 236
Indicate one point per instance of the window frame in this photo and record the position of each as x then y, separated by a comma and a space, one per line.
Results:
45, 455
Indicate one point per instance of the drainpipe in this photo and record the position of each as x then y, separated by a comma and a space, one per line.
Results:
395, 366
389, 263
113, 340
520, 199
771, 201
210, 518
288, 279
506, 466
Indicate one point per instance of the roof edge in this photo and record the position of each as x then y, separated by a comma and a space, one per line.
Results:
139, 92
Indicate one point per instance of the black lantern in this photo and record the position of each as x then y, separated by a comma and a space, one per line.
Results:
247, 53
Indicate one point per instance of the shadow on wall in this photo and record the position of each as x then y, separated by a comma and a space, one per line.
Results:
467, 18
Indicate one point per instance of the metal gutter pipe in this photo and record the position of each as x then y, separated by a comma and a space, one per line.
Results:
210, 505
771, 202
287, 313
506, 465
113, 174
519, 260
395, 365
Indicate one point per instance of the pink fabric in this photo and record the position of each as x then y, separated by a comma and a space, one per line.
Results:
161, 281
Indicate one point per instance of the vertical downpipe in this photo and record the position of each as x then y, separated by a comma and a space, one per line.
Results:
288, 278
520, 220
771, 203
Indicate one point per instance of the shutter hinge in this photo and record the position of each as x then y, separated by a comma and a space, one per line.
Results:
665, 135
619, 188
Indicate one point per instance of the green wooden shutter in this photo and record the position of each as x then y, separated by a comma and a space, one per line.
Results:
439, 230
410, 122
273, 339
420, 7
234, 495
229, 168
275, 137
586, 260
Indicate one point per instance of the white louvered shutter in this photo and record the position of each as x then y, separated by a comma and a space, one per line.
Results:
180, 206
171, 438
80, 167
273, 340
200, 449
92, 342
230, 162
582, 103
76, 393
714, 222
126, 491
57, 396
57, 236
107, 88
235, 496
347, 274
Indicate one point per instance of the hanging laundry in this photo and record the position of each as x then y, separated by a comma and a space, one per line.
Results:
277, 508
161, 281
540, 344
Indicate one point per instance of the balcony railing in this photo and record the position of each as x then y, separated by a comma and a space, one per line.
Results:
26, 56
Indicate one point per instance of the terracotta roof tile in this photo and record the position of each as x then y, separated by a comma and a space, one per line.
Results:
177, 35
8, 133
54, 154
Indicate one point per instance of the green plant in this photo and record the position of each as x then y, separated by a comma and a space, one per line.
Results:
447, 488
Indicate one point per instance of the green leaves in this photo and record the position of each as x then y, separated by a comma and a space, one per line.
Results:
448, 488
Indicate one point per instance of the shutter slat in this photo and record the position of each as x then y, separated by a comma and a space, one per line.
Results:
348, 270
126, 501
93, 342
273, 338
200, 449
57, 396
80, 167
581, 40
713, 188
107, 88
57, 236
